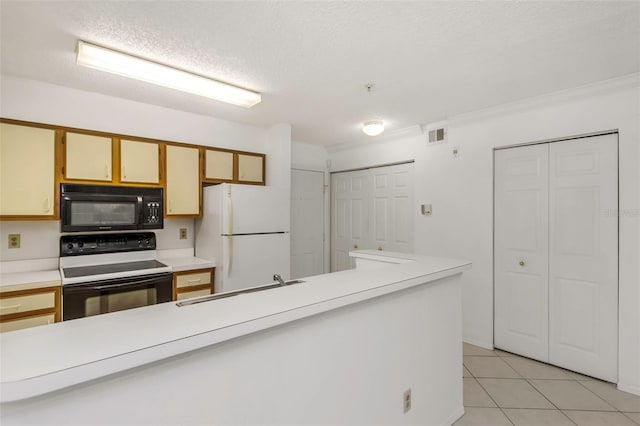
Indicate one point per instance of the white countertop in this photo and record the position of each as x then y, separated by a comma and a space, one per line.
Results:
29, 280
178, 264
16, 275
42, 359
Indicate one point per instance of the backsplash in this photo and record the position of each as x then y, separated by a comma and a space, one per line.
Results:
40, 239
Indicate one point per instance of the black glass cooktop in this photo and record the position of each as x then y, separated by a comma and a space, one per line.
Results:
83, 271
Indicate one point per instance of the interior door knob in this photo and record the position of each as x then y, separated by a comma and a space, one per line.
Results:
355, 247
521, 263
380, 248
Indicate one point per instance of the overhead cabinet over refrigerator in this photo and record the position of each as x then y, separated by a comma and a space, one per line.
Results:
556, 253
245, 229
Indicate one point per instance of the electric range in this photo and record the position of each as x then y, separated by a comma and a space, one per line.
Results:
111, 272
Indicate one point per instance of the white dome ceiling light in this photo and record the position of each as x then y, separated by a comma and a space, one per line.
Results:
373, 127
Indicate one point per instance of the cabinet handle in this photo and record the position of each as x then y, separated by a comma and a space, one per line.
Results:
170, 206
106, 170
124, 172
521, 263
196, 280
6, 308
47, 205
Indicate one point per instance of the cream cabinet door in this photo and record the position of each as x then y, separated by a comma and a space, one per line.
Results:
139, 162
27, 163
218, 165
27, 322
88, 157
183, 181
250, 168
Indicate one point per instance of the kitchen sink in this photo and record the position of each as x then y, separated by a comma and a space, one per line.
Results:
236, 293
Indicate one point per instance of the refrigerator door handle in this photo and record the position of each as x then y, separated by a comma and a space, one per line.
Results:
230, 230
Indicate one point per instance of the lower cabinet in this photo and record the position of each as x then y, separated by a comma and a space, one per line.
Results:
194, 283
29, 308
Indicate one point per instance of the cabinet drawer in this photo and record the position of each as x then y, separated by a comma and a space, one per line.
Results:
19, 324
191, 294
26, 303
190, 280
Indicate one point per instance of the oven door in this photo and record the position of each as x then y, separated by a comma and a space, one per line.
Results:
99, 212
101, 297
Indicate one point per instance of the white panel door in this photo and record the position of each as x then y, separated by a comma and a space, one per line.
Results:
392, 213
521, 267
371, 209
583, 268
349, 196
307, 223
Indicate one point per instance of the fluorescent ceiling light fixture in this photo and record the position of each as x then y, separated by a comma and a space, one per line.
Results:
100, 58
373, 128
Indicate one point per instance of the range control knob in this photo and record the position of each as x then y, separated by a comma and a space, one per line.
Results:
69, 246
146, 242
80, 244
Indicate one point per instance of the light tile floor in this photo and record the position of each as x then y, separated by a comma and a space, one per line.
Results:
501, 388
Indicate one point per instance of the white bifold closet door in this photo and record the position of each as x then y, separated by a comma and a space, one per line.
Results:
556, 253
521, 283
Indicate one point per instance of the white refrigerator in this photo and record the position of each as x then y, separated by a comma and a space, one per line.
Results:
245, 230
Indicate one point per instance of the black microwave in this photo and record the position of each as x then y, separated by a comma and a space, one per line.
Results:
109, 208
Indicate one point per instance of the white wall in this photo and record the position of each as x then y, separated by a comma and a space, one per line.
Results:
47, 103
41, 102
41, 239
461, 192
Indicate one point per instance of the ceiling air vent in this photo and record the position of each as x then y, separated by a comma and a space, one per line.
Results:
437, 135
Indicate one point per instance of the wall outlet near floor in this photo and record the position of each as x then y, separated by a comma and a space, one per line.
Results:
14, 241
183, 233
406, 400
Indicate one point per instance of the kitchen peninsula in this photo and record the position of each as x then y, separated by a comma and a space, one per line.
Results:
340, 348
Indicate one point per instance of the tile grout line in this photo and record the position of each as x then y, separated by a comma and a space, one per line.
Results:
488, 394
632, 420
550, 402
601, 398
494, 401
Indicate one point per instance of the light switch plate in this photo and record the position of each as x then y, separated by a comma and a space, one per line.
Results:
425, 209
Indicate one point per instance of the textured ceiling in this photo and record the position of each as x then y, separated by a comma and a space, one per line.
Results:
311, 60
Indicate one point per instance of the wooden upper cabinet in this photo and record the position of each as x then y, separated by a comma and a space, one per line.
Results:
88, 157
27, 169
251, 168
218, 165
139, 162
183, 187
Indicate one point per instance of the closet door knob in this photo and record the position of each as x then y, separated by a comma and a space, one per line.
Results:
521, 263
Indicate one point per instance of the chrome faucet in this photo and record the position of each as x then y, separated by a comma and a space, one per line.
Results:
278, 278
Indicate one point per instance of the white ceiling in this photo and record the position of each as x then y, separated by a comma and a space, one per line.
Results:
311, 60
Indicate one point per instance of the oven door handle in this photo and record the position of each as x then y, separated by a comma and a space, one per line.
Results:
137, 283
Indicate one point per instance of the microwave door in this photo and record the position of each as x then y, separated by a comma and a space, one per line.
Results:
97, 212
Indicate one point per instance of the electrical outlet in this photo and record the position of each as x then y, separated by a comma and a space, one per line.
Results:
455, 152
406, 400
14, 241
183, 233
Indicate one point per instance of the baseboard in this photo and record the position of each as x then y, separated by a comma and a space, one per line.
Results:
454, 417
478, 343
629, 388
